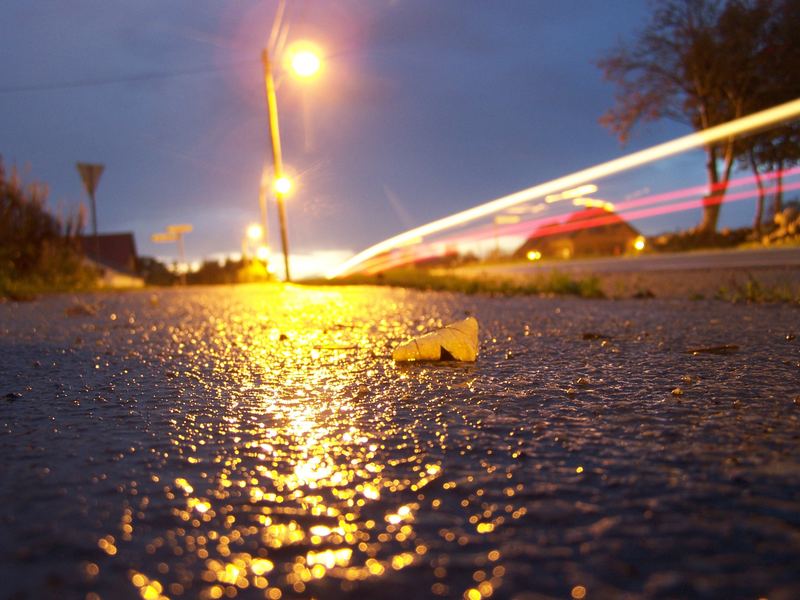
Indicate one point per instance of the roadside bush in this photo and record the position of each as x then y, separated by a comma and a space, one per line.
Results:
684, 241
38, 251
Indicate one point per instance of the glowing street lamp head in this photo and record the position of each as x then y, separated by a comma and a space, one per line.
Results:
305, 64
639, 243
282, 185
255, 231
304, 59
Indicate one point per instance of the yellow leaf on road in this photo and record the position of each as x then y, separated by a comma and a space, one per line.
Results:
457, 341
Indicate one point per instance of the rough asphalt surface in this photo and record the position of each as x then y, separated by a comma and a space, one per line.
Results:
258, 442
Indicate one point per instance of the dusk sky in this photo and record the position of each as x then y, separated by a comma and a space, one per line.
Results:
423, 108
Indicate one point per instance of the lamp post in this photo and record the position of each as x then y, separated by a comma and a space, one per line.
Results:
305, 63
253, 236
262, 204
255, 254
277, 159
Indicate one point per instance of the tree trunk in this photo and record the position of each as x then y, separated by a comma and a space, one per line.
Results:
712, 200
777, 202
760, 202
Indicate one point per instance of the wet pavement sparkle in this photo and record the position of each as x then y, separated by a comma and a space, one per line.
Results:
258, 442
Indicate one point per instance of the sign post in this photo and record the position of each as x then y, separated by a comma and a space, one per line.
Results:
174, 233
90, 174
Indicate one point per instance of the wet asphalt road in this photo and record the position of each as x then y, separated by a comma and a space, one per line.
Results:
258, 442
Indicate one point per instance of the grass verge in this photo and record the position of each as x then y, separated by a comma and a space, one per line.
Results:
551, 284
29, 288
753, 291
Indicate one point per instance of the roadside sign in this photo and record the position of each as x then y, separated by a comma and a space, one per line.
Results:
176, 229
160, 238
90, 174
174, 233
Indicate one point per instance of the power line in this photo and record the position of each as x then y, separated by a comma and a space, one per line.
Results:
85, 83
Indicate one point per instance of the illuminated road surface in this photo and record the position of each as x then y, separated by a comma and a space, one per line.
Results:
257, 442
709, 259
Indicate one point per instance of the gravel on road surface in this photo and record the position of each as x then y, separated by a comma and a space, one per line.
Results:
259, 442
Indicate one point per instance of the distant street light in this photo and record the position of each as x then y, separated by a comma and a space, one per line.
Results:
304, 62
255, 232
534, 255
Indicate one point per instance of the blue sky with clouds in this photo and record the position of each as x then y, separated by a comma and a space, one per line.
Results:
423, 108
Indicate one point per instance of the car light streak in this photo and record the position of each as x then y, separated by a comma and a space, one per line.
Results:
539, 228
552, 226
653, 211
624, 208
736, 127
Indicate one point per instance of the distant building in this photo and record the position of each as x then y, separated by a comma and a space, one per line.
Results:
588, 232
115, 251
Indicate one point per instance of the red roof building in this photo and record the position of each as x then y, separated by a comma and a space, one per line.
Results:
588, 232
113, 250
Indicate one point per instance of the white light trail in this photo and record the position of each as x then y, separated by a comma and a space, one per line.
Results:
746, 124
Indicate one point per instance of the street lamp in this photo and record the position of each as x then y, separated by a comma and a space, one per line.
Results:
253, 236
283, 185
305, 62
255, 232
262, 203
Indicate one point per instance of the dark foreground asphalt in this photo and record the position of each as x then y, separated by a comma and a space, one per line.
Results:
258, 442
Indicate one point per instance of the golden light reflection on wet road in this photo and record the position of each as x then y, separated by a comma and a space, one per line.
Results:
293, 475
